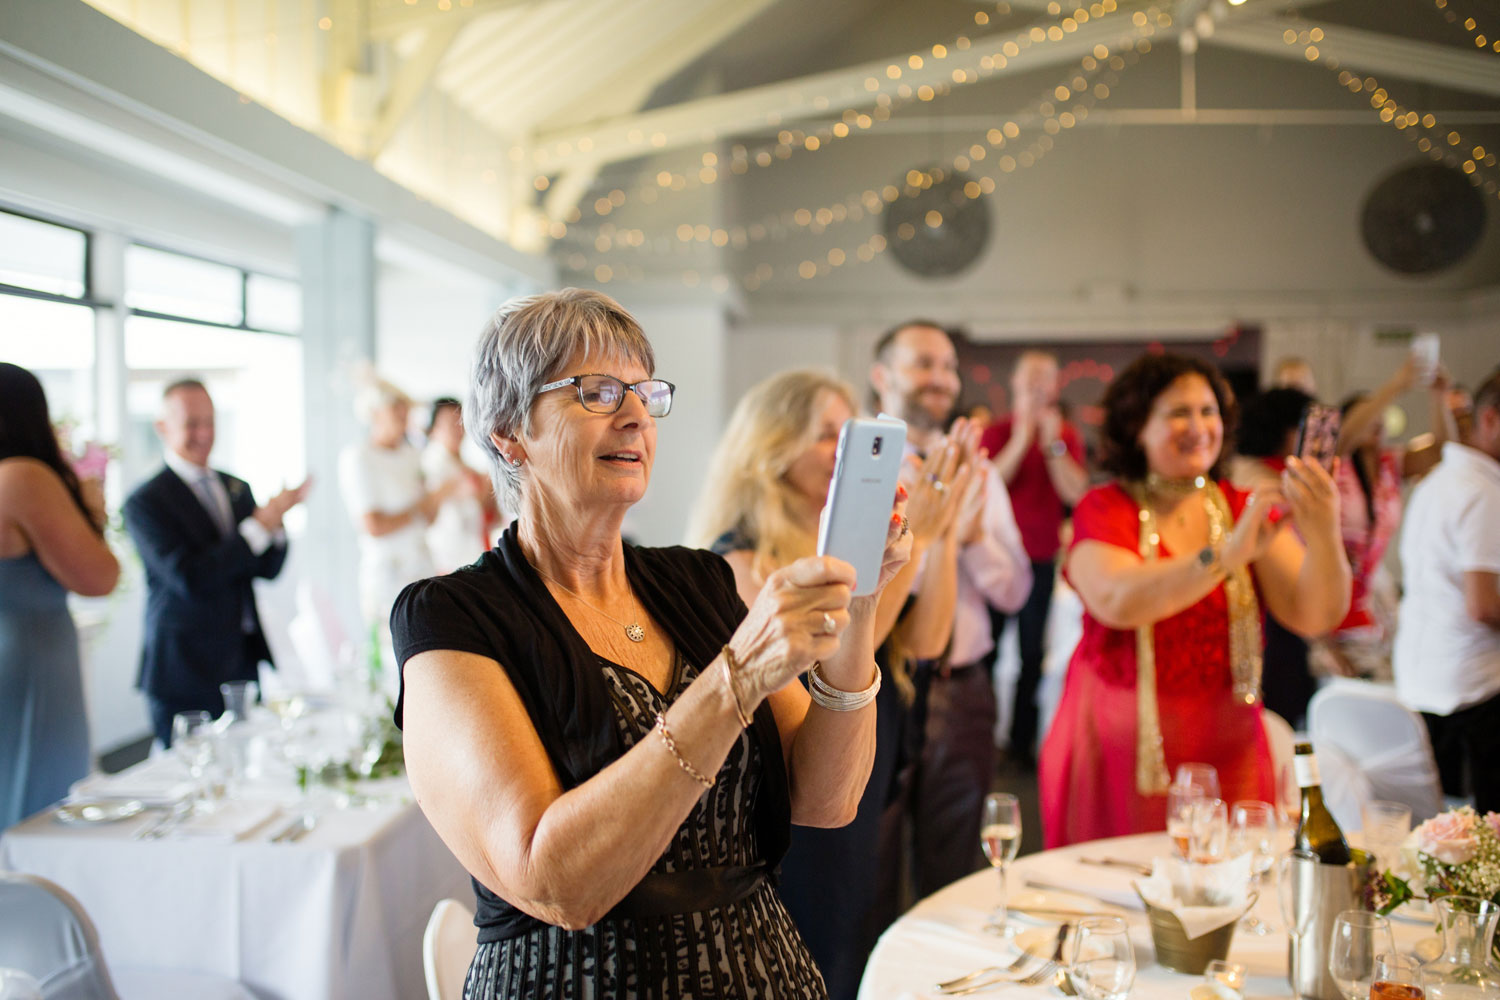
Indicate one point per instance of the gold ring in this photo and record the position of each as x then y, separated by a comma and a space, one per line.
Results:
939, 486
905, 526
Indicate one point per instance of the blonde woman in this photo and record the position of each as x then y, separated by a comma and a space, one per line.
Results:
766, 486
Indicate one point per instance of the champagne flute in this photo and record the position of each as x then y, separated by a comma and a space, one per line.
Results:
1101, 962
1294, 878
1397, 977
1000, 837
1181, 801
1210, 831
1357, 937
1252, 830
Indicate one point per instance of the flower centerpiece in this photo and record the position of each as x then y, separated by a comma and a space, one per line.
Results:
1456, 853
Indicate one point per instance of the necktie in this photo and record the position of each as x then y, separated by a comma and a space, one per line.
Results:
208, 496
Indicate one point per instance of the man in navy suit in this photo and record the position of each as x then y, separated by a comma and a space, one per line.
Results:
203, 540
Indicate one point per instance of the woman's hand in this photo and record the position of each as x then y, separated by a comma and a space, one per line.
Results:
788, 626
937, 485
898, 544
1313, 497
1252, 533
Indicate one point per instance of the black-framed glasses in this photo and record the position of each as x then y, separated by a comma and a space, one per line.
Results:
605, 393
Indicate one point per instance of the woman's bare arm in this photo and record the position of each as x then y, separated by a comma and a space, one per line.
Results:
37, 504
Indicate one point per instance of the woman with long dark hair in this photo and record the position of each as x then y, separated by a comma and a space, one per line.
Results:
51, 542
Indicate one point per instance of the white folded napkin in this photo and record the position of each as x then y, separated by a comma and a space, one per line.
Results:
1204, 897
156, 781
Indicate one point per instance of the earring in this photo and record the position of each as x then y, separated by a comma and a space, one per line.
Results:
515, 463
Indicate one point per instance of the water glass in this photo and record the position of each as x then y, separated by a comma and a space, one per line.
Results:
1358, 936
1101, 961
1386, 825
239, 697
193, 745
1252, 830
1204, 776
1397, 977
1000, 837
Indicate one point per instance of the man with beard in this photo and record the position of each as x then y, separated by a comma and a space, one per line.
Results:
915, 377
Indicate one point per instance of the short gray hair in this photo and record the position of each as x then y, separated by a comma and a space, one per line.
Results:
522, 347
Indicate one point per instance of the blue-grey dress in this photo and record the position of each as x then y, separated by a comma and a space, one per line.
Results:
44, 734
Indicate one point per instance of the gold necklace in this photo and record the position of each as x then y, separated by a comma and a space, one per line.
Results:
633, 631
1174, 489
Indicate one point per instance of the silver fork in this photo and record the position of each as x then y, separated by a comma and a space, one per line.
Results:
988, 970
1035, 978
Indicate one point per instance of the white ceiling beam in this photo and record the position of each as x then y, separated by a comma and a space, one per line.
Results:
412, 79
392, 22
695, 122
663, 59
1369, 51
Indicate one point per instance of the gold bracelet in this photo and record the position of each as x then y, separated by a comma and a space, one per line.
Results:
693, 772
730, 666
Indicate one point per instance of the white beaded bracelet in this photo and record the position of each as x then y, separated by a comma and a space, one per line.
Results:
835, 700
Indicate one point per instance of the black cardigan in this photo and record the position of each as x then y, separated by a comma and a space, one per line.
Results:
499, 607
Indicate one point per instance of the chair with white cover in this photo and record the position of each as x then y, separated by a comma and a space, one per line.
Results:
448, 946
1370, 745
1282, 741
45, 932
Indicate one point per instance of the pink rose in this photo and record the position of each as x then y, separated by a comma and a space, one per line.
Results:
1493, 819
1450, 837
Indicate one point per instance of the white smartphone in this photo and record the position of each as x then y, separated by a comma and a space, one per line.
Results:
1425, 348
858, 513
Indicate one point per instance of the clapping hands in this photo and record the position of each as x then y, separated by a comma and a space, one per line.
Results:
270, 513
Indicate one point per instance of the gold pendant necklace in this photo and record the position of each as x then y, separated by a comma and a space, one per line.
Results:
633, 631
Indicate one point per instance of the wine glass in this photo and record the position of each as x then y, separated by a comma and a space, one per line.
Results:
1252, 830
1357, 937
1385, 825
1181, 801
1101, 962
193, 745
1397, 977
1000, 836
1204, 776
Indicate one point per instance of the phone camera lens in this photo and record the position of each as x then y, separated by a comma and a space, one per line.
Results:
875, 448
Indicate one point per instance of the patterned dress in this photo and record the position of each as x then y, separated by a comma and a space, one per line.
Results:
749, 949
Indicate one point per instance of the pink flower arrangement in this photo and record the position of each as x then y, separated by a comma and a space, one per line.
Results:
1493, 819
1451, 837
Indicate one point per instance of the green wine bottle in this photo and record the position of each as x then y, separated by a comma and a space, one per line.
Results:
1317, 831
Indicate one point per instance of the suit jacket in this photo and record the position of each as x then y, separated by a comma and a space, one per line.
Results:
198, 585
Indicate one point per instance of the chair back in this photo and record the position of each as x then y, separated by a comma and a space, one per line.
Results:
1370, 745
448, 946
44, 932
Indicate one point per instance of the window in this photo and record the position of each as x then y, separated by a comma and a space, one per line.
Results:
170, 283
55, 341
273, 304
43, 257
256, 383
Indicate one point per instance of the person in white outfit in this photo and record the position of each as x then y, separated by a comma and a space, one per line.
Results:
381, 481
460, 531
1447, 653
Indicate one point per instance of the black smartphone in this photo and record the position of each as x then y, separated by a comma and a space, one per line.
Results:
1318, 434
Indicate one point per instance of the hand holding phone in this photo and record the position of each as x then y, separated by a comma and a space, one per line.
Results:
857, 517
1425, 349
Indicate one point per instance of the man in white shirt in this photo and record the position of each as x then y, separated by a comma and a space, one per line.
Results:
1447, 652
203, 540
915, 377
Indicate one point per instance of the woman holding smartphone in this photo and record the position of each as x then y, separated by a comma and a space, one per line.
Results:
603, 733
1370, 477
767, 484
1174, 565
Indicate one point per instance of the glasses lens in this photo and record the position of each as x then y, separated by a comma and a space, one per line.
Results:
657, 396
600, 393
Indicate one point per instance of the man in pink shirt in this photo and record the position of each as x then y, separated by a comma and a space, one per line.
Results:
1039, 456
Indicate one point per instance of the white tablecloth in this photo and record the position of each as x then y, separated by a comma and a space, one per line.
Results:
942, 937
337, 914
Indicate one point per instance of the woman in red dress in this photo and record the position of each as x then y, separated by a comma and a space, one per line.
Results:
1174, 565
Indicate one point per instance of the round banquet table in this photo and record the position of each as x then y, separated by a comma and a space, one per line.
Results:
943, 936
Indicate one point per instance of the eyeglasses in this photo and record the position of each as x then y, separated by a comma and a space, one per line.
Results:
605, 393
